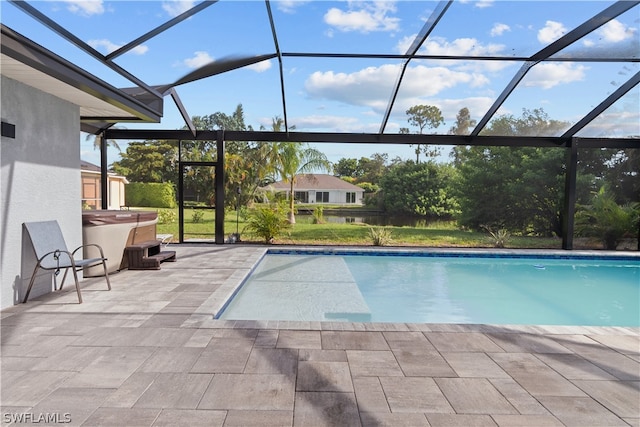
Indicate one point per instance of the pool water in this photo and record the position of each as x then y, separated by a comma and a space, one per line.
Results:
441, 289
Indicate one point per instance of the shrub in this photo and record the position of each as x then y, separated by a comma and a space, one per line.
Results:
606, 220
196, 216
368, 187
268, 222
150, 194
380, 236
166, 216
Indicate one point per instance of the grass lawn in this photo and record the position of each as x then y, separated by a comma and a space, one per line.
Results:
304, 232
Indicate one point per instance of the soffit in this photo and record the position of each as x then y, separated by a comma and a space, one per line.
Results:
90, 106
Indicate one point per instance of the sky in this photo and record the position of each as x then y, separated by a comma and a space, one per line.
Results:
351, 95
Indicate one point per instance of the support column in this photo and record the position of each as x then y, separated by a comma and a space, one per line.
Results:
104, 172
570, 195
219, 183
180, 195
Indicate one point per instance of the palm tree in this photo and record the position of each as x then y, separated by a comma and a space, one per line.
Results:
290, 159
293, 159
98, 138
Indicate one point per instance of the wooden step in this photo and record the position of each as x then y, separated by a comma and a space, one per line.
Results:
147, 255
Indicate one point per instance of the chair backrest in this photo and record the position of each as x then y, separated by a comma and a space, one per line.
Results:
46, 236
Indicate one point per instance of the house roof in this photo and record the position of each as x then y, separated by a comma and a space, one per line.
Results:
94, 169
89, 167
317, 182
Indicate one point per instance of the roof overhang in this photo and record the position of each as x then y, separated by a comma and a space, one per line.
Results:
101, 105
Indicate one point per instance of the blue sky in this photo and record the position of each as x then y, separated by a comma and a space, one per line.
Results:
348, 95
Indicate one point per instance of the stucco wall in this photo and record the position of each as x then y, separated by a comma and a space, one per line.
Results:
39, 178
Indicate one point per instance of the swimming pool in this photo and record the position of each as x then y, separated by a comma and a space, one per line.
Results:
442, 287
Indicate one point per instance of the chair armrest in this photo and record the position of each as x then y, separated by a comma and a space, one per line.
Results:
86, 246
64, 264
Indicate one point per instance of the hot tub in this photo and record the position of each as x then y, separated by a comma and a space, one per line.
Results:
113, 231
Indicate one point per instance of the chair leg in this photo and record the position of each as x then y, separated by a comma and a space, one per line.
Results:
106, 275
75, 277
66, 270
33, 278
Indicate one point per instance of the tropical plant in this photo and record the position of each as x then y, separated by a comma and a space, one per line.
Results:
500, 237
97, 140
293, 159
380, 236
606, 220
318, 215
268, 222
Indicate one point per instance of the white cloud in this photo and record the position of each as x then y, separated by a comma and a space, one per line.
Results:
477, 107
199, 59
461, 47
478, 80
326, 122
499, 29
368, 87
371, 87
551, 32
177, 7
429, 81
140, 49
548, 75
260, 66
85, 7
108, 46
289, 6
616, 124
364, 17
480, 4
615, 31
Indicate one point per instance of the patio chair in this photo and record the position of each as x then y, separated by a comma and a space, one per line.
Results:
52, 254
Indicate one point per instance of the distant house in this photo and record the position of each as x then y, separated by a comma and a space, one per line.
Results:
91, 198
321, 188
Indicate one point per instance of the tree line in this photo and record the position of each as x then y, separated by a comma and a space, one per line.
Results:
249, 165
519, 189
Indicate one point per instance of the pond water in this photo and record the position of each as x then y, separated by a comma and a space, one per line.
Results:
380, 220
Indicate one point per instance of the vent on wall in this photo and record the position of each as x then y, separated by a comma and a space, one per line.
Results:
8, 130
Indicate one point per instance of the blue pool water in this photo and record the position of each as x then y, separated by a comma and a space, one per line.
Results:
448, 288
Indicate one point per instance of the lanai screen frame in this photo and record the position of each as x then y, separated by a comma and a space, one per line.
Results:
570, 144
151, 95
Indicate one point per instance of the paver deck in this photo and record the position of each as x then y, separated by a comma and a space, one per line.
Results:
149, 353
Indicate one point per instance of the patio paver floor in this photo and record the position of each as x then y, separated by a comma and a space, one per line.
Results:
149, 353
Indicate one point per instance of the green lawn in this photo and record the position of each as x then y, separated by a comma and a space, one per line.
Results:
304, 232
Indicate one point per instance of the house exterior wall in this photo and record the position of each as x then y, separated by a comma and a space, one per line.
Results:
116, 193
91, 192
39, 180
91, 199
336, 197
